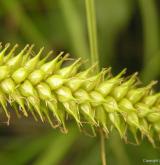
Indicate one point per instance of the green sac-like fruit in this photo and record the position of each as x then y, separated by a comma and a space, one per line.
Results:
45, 88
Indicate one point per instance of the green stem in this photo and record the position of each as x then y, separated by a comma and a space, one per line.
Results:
75, 27
151, 39
92, 31
103, 153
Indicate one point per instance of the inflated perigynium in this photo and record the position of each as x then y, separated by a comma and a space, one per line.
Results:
48, 91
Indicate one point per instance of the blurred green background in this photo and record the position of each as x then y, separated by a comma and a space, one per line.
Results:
128, 36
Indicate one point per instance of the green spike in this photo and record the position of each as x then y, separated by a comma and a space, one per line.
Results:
3, 102
110, 104
64, 94
27, 55
135, 95
97, 98
72, 109
36, 76
82, 96
32, 63
15, 62
88, 112
35, 103
70, 70
53, 107
49, 67
107, 86
10, 54
4, 72
118, 123
2, 53
101, 118
120, 91
43, 61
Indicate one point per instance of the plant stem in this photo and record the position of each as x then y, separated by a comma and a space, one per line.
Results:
92, 32
75, 27
149, 14
103, 153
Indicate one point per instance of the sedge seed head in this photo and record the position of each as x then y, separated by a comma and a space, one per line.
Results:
49, 91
